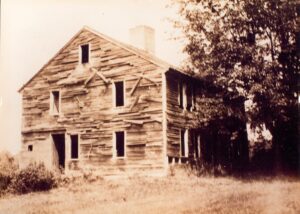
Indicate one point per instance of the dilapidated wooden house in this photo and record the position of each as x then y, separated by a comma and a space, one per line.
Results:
107, 106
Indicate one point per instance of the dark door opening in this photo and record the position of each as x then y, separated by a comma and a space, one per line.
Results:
59, 150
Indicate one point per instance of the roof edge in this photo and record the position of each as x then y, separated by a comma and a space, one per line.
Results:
141, 53
49, 61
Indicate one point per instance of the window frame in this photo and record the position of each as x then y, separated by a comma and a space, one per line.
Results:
185, 142
51, 107
182, 95
198, 143
115, 145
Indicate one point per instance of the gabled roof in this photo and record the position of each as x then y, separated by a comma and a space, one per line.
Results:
141, 53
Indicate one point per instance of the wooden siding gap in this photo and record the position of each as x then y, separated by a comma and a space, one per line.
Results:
138, 122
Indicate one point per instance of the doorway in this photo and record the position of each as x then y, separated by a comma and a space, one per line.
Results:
58, 150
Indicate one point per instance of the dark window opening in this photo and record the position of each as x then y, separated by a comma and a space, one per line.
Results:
192, 142
30, 148
59, 150
119, 89
196, 143
55, 102
120, 144
84, 54
182, 143
74, 146
180, 88
251, 38
189, 97
194, 97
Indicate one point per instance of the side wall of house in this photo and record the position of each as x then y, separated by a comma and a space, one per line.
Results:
87, 109
179, 118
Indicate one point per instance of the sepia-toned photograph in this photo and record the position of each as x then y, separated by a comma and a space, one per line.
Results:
149, 106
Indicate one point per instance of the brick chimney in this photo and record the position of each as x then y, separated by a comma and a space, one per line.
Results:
143, 37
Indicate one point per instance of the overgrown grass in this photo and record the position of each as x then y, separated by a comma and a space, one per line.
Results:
179, 193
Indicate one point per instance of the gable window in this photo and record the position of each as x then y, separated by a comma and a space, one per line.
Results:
119, 93
54, 102
74, 147
184, 149
85, 53
119, 144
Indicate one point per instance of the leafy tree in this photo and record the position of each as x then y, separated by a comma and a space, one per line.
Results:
248, 48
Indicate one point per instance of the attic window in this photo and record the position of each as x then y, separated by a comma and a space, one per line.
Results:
54, 102
74, 146
30, 148
119, 93
85, 53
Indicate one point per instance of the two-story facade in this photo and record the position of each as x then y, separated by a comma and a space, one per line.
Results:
107, 106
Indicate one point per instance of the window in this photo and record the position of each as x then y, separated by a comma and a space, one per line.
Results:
180, 94
195, 143
55, 102
74, 146
119, 93
184, 150
85, 53
30, 148
184, 94
119, 144
189, 98
197, 146
194, 97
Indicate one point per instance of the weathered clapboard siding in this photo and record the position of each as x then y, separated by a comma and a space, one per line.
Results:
178, 118
87, 108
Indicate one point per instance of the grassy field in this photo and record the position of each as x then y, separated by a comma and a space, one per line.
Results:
174, 194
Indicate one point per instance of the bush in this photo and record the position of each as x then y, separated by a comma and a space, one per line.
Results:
7, 170
35, 177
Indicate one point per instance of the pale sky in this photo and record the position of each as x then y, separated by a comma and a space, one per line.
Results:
32, 31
